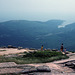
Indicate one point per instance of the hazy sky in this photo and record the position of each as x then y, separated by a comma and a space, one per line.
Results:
37, 10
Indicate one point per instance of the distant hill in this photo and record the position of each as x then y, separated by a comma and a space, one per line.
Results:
68, 36
33, 34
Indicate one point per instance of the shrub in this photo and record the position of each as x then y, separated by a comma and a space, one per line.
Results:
35, 57
43, 54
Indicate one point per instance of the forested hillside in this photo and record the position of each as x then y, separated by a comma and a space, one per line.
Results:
33, 34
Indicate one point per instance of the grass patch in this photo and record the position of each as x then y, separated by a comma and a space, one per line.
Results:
35, 57
43, 54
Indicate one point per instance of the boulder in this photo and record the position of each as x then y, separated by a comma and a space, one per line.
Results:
54, 50
70, 64
37, 69
3, 47
20, 48
43, 69
28, 70
32, 49
49, 49
67, 52
10, 46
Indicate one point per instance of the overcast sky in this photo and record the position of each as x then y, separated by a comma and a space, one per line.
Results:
40, 10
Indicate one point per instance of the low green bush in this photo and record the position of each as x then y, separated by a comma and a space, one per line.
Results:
43, 54
35, 57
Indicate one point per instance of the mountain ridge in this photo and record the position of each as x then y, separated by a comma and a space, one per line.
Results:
35, 33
